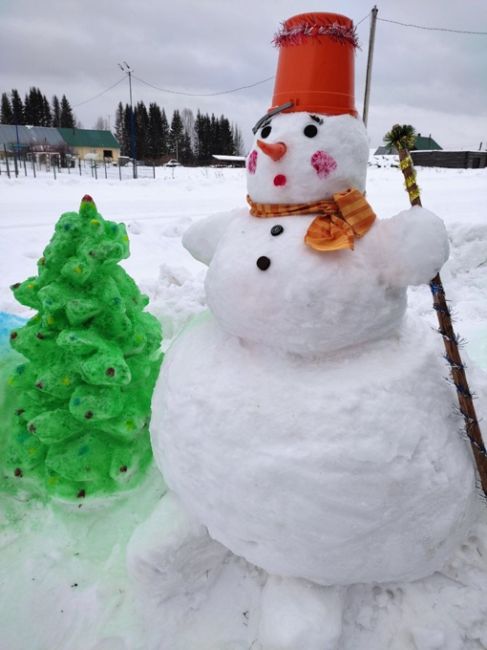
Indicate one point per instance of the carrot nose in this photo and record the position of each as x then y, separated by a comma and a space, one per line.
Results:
275, 151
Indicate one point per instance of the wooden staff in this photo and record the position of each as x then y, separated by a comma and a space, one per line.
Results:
402, 138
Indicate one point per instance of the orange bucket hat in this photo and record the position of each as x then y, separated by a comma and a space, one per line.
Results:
315, 71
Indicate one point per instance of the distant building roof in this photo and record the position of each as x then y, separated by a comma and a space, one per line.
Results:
29, 135
421, 143
385, 150
89, 138
229, 158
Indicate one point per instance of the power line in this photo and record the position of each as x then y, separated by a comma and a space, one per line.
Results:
432, 29
221, 92
99, 94
361, 21
257, 83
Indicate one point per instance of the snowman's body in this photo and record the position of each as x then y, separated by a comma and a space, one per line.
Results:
307, 423
339, 470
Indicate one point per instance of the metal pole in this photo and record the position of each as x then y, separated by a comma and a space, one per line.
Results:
6, 160
370, 57
17, 149
133, 154
16, 165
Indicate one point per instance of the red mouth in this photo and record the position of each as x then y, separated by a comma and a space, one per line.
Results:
280, 180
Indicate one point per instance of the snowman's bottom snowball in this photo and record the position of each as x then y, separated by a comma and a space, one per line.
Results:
340, 470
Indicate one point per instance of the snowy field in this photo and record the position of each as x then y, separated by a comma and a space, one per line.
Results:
63, 584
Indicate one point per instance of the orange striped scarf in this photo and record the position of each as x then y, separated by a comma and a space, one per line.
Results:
340, 220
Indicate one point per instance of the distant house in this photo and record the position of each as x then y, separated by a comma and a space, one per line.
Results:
39, 139
421, 143
453, 159
91, 144
428, 153
48, 142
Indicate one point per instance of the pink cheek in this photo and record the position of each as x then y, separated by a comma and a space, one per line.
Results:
323, 163
252, 162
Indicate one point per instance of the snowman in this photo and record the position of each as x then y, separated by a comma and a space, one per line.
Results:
303, 423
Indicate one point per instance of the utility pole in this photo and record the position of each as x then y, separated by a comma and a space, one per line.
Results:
373, 20
126, 68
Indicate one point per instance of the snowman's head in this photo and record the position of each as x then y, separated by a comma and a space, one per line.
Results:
299, 157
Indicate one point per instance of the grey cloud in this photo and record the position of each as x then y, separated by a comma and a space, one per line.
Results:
433, 78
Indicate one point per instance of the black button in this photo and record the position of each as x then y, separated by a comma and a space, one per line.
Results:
276, 230
263, 263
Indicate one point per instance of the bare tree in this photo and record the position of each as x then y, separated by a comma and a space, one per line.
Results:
238, 143
188, 120
100, 124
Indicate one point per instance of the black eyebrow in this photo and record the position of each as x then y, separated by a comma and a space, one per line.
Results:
267, 117
316, 119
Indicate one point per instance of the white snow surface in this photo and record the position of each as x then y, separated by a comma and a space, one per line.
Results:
45, 551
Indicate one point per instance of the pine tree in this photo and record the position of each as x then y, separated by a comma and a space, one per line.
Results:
185, 152
202, 125
33, 107
66, 117
6, 113
142, 130
82, 397
46, 112
56, 112
214, 145
176, 134
28, 110
120, 129
127, 120
17, 108
226, 138
156, 142
164, 133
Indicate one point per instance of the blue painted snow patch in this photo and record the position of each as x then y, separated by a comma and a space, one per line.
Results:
8, 322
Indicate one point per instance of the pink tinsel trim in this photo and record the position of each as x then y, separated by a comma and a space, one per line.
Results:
298, 34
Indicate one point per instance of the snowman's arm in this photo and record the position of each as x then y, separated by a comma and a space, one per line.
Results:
202, 237
414, 246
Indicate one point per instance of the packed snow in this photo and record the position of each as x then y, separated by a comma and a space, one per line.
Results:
64, 583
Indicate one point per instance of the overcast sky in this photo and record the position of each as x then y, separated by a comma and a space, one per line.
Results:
435, 80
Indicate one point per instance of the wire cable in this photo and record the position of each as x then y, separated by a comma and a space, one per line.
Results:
221, 92
361, 21
99, 94
432, 29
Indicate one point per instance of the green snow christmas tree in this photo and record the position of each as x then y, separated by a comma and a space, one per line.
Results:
79, 411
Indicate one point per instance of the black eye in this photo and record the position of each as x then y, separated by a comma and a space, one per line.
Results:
266, 131
310, 131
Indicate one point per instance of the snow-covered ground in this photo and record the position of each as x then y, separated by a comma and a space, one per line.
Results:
63, 584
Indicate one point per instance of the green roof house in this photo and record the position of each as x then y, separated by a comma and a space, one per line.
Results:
421, 143
91, 143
